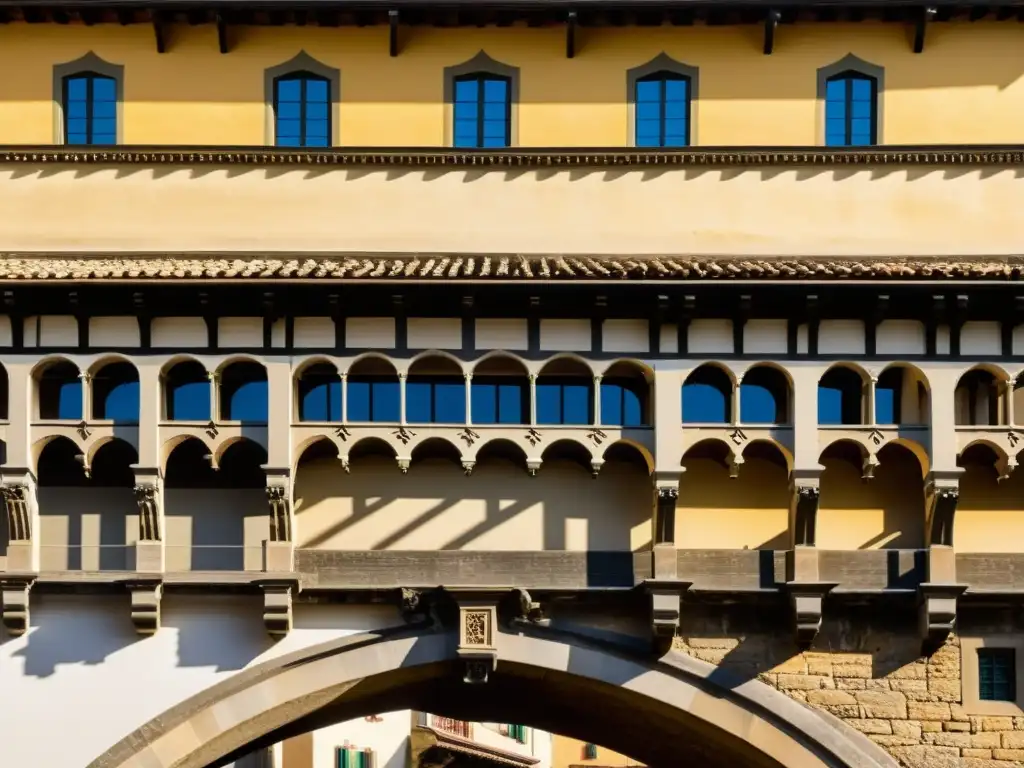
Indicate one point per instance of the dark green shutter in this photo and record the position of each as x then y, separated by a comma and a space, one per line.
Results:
997, 674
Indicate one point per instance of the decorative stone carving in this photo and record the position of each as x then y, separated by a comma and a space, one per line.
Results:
870, 465
666, 598
467, 467
468, 436
146, 596
735, 461
595, 467
533, 437
277, 608
280, 513
149, 511
805, 518
403, 465
477, 650
345, 465
808, 599
941, 516
19, 521
597, 436
937, 612
14, 592
533, 466
668, 495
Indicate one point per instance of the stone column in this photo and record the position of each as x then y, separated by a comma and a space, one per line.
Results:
533, 399
871, 414
469, 398
597, 401
280, 394
401, 398
150, 412
279, 547
86, 379
214, 395
1010, 415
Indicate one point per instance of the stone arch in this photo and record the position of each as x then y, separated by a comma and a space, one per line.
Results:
642, 451
707, 394
115, 390
57, 389
372, 390
988, 518
500, 390
841, 395
902, 396
668, 711
766, 395
625, 394
186, 389
980, 396
318, 390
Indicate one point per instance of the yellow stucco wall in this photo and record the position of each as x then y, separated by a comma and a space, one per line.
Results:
966, 87
566, 751
989, 517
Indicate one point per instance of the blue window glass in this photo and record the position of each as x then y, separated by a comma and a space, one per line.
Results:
564, 401
663, 110
189, 401
850, 110
69, 405
373, 399
757, 405
499, 400
320, 397
302, 110
704, 404
122, 403
889, 396
249, 403
90, 109
437, 400
60, 392
997, 674
622, 403
839, 397
483, 111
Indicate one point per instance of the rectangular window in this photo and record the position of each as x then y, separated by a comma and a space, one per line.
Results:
499, 401
564, 402
373, 399
997, 674
850, 110
439, 400
302, 111
590, 751
621, 404
349, 757
90, 109
482, 111
663, 110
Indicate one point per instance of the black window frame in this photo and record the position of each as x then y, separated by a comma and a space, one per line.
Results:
661, 77
480, 77
304, 76
995, 657
90, 77
848, 76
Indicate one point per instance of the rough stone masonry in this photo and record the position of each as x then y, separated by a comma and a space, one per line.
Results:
868, 669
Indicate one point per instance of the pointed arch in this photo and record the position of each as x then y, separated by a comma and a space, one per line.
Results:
663, 63
301, 62
481, 64
853, 64
90, 63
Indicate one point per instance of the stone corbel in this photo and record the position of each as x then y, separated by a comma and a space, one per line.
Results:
277, 607
14, 591
403, 464
734, 461
667, 490
533, 466
18, 490
345, 465
1005, 466
146, 595
478, 628
666, 601
595, 467
937, 612
871, 463
804, 522
942, 494
467, 467
807, 599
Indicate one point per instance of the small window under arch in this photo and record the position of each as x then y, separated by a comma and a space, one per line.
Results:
663, 110
302, 110
851, 110
482, 111
90, 109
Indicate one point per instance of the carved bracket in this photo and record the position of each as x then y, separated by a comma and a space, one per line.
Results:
668, 495
805, 514
146, 596
19, 521
533, 466
943, 497
148, 499
277, 607
280, 513
937, 612
666, 599
808, 600
15, 604
478, 625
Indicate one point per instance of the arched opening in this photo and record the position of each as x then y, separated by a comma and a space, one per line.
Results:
501, 452
500, 392
216, 520
653, 709
87, 523
901, 397
319, 390
187, 392
717, 510
707, 396
435, 392
624, 396
243, 393
765, 396
115, 393
60, 391
978, 399
988, 518
565, 393
373, 392
841, 397
886, 512
436, 449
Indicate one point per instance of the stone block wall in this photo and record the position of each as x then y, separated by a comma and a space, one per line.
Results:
868, 670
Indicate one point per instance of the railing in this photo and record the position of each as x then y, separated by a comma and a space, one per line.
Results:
87, 557
450, 725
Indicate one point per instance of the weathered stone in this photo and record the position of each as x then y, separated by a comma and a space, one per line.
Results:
907, 728
881, 727
830, 698
877, 685
944, 690
927, 756
985, 740
851, 684
884, 704
915, 671
1008, 754
983, 754
931, 726
893, 741
991, 723
957, 727
1018, 723
926, 710
1011, 739
794, 666
817, 665
970, 762
943, 739
803, 682
957, 713
852, 670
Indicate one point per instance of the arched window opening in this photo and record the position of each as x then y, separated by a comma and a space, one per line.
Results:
500, 392
624, 397
483, 110
435, 392
901, 397
4, 394
436, 449
663, 110
624, 453
565, 393
371, 447
61, 464
373, 392
241, 466
764, 396
302, 110
320, 393
977, 399
707, 396
567, 450
90, 109
851, 110
60, 392
187, 392
501, 451
841, 397
115, 393
243, 393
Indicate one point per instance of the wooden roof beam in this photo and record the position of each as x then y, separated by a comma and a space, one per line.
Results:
222, 33
771, 24
921, 25
159, 32
393, 33
570, 35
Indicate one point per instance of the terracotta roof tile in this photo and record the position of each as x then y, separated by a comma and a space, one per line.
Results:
552, 267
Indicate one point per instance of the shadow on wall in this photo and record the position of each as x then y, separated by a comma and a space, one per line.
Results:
886, 512
498, 508
988, 515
